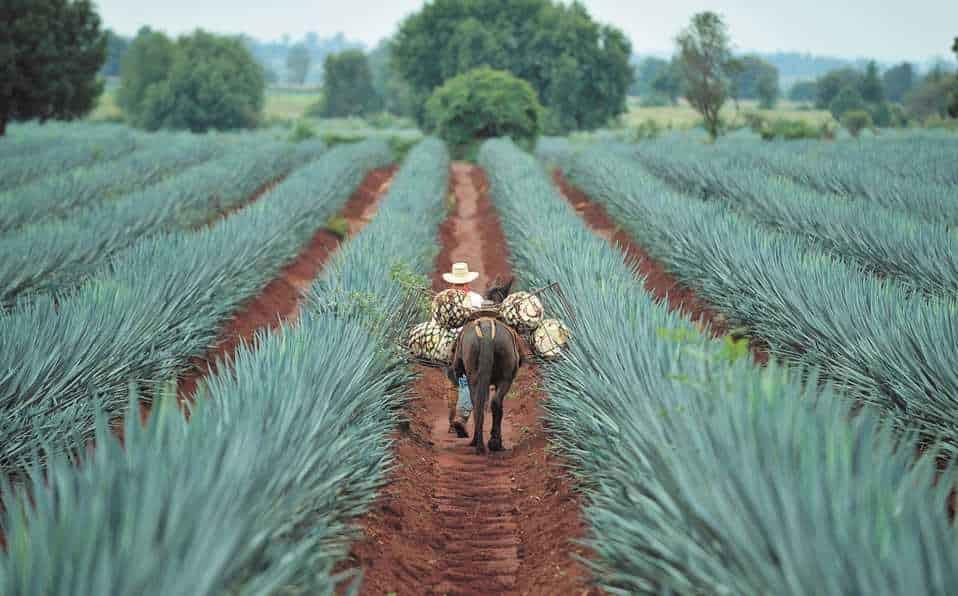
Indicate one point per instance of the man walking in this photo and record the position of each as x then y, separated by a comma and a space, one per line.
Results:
459, 400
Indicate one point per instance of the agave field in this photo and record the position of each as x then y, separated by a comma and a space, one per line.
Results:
128, 258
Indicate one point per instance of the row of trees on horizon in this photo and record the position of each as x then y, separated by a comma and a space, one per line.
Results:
581, 72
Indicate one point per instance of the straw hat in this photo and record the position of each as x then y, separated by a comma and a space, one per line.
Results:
460, 274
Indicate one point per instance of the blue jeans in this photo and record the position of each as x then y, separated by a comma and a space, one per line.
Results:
464, 405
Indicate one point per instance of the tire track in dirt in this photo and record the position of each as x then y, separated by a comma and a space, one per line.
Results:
453, 522
658, 281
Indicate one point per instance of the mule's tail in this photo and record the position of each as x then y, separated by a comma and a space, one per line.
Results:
487, 353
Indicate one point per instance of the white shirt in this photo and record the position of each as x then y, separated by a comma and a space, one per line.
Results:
476, 301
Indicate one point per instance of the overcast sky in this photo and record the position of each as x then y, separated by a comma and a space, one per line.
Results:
884, 29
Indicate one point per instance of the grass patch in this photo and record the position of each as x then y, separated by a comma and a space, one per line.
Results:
339, 226
683, 116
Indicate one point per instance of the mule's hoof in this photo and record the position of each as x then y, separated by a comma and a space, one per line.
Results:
480, 449
495, 445
460, 429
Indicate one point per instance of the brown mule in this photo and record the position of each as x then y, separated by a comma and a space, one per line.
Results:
487, 353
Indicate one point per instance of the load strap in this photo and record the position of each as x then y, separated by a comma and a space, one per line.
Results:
492, 323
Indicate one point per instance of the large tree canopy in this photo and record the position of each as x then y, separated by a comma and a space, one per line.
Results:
147, 61
50, 53
832, 83
348, 85
579, 69
483, 104
213, 82
899, 80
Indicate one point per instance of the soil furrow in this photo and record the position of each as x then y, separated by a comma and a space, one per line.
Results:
453, 522
279, 300
658, 282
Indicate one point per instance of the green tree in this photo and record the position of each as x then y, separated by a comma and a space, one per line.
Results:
872, 89
484, 103
347, 85
803, 91
931, 97
473, 45
394, 94
579, 69
953, 108
831, 84
50, 53
754, 78
856, 121
734, 69
847, 100
646, 73
147, 62
116, 47
767, 88
213, 83
703, 55
899, 80
668, 83
297, 63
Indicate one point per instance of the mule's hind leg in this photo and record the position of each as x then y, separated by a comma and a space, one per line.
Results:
479, 415
495, 437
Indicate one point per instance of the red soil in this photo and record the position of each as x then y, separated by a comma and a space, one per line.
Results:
658, 282
279, 300
452, 522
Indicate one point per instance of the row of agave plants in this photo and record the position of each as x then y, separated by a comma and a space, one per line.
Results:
256, 492
879, 340
704, 473
160, 303
921, 182
57, 196
81, 147
884, 241
58, 256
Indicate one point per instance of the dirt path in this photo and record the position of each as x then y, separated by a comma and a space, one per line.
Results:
452, 522
658, 282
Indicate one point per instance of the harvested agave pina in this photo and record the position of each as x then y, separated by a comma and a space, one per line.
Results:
430, 341
451, 308
550, 338
522, 310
